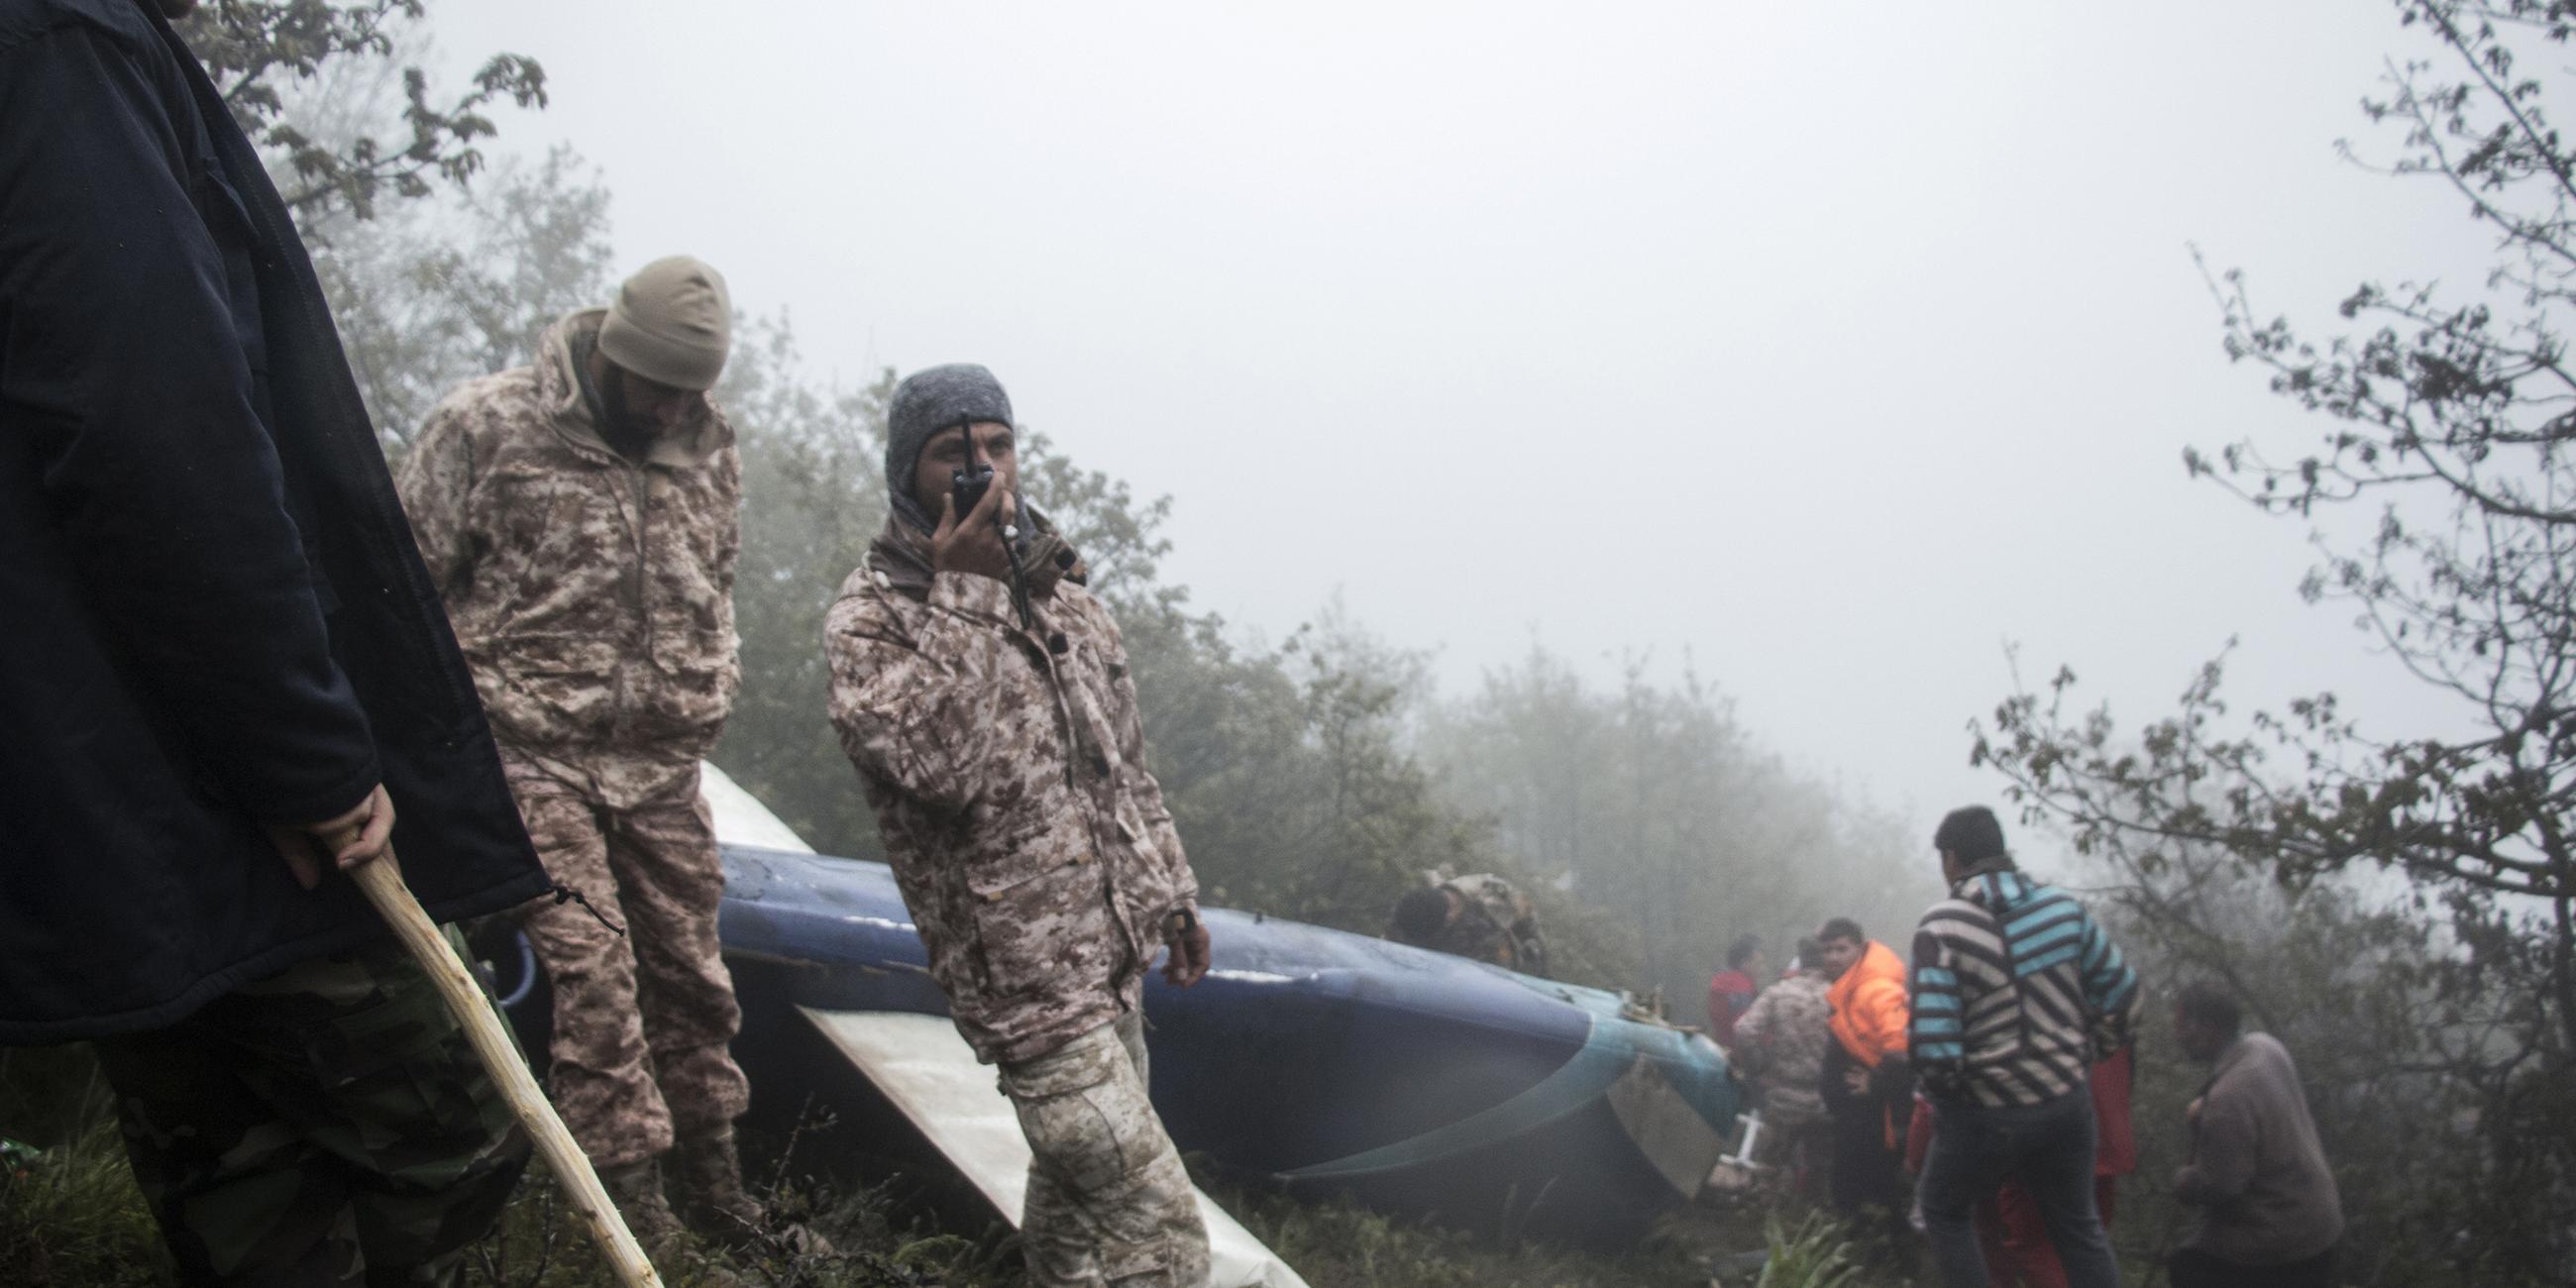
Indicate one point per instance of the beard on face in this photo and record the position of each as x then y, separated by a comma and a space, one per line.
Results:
625, 431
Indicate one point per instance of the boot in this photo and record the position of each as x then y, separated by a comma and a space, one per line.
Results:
636, 1189
709, 1167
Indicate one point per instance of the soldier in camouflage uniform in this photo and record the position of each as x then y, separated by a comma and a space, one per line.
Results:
1780, 1041
1005, 761
1482, 917
581, 516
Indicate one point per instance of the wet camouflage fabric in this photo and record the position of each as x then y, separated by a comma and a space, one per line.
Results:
593, 595
1781, 1040
643, 1023
1495, 923
1109, 1201
1009, 783
327, 1125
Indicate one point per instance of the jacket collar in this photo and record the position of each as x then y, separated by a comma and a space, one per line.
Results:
562, 391
1993, 884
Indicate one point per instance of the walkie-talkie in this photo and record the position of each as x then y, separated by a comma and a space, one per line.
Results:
967, 485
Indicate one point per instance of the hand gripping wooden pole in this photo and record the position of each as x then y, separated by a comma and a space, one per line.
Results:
383, 883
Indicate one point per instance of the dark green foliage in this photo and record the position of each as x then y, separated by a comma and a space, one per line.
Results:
70, 1216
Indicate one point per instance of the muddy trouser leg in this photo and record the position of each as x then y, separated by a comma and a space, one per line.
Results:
602, 1079
670, 882
327, 1125
1108, 1202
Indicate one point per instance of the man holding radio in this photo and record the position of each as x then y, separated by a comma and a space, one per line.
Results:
984, 697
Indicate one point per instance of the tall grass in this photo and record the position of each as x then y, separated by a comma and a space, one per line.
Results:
70, 1217
1814, 1252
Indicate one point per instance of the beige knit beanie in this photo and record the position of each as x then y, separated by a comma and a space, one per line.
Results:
672, 323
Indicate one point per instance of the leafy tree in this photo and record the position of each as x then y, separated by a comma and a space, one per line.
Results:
813, 497
2446, 414
432, 279
1654, 806
2377, 1011
258, 51
446, 290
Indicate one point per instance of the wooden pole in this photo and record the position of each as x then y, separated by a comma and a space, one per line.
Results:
382, 881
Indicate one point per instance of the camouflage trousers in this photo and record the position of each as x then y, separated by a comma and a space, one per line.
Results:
642, 1022
1109, 1202
327, 1125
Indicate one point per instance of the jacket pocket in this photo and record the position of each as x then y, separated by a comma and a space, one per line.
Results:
1041, 912
695, 678
548, 690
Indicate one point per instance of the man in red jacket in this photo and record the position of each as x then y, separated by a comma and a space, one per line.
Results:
1731, 991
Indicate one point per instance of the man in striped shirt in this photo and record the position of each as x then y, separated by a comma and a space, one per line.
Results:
2016, 992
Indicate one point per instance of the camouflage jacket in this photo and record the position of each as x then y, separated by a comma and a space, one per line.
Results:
593, 594
1781, 1040
1495, 923
1009, 782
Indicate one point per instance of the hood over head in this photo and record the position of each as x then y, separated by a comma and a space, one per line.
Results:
928, 401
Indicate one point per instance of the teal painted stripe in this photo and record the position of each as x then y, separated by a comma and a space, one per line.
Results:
1935, 975
1940, 1051
1575, 1084
1936, 1025
1927, 1002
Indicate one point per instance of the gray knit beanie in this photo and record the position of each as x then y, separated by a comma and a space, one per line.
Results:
928, 401
672, 323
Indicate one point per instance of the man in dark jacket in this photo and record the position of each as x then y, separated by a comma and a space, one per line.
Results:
220, 648
2265, 1207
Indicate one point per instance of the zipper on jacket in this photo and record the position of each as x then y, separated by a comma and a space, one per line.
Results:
627, 701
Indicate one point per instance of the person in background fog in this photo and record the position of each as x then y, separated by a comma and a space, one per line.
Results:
1731, 990
2264, 1203
1482, 917
1780, 1042
1867, 1082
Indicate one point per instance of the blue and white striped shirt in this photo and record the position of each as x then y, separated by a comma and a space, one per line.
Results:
2016, 992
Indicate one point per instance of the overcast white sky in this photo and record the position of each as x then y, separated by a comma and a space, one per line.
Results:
1835, 344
